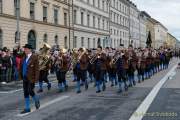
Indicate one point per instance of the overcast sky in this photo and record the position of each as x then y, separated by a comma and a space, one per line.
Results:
165, 11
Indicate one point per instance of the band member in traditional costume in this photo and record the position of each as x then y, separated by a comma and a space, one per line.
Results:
97, 61
90, 67
111, 69
30, 74
162, 58
61, 65
119, 60
74, 57
82, 65
140, 69
44, 67
132, 66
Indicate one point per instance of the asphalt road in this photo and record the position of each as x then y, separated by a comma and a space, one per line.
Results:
108, 105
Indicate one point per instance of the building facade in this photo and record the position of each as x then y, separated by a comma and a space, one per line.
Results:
134, 26
90, 23
143, 32
160, 34
119, 22
171, 41
40, 21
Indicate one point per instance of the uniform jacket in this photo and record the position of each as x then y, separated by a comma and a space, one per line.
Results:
32, 69
84, 62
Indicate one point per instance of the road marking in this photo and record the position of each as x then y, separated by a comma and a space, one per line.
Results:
13, 91
45, 105
10, 92
142, 109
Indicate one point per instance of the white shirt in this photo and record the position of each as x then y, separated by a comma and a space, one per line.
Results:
28, 56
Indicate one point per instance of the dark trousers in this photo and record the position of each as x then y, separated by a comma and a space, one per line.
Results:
61, 76
81, 75
28, 88
43, 76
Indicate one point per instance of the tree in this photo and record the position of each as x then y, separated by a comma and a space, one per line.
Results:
149, 40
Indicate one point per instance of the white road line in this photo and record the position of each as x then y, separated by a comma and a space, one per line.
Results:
142, 109
13, 91
45, 105
10, 92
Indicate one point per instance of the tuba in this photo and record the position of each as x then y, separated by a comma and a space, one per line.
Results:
116, 57
44, 57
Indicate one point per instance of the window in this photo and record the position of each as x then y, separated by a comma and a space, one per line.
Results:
1, 6
32, 9
82, 41
94, 43
98, 23
65, 42
107, 25
103, 5
45, 38
56, 40
55, 16
1, 38
94, 21
75, 16
107, 6
75, 42
98, 3
44, 13
93, 2
88, 42
88, 20
82, 18
65, 19
104, 42
103, 24
17, 37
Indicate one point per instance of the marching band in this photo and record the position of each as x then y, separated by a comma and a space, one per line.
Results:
121, 67
100, 65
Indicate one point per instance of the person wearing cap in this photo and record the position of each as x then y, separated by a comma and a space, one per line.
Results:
29, 72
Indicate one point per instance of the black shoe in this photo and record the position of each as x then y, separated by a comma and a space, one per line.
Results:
60, 91
74, 80
119, 91
66, 88
37, 104
112, 85
25, 111
98, 91
104, 88
86, 87
139, 81
126, 88
78, 92
40, 91
134, 83
49, 86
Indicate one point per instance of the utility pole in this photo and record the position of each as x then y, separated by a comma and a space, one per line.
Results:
18, 19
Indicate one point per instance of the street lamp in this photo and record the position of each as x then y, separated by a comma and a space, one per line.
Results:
18, 19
